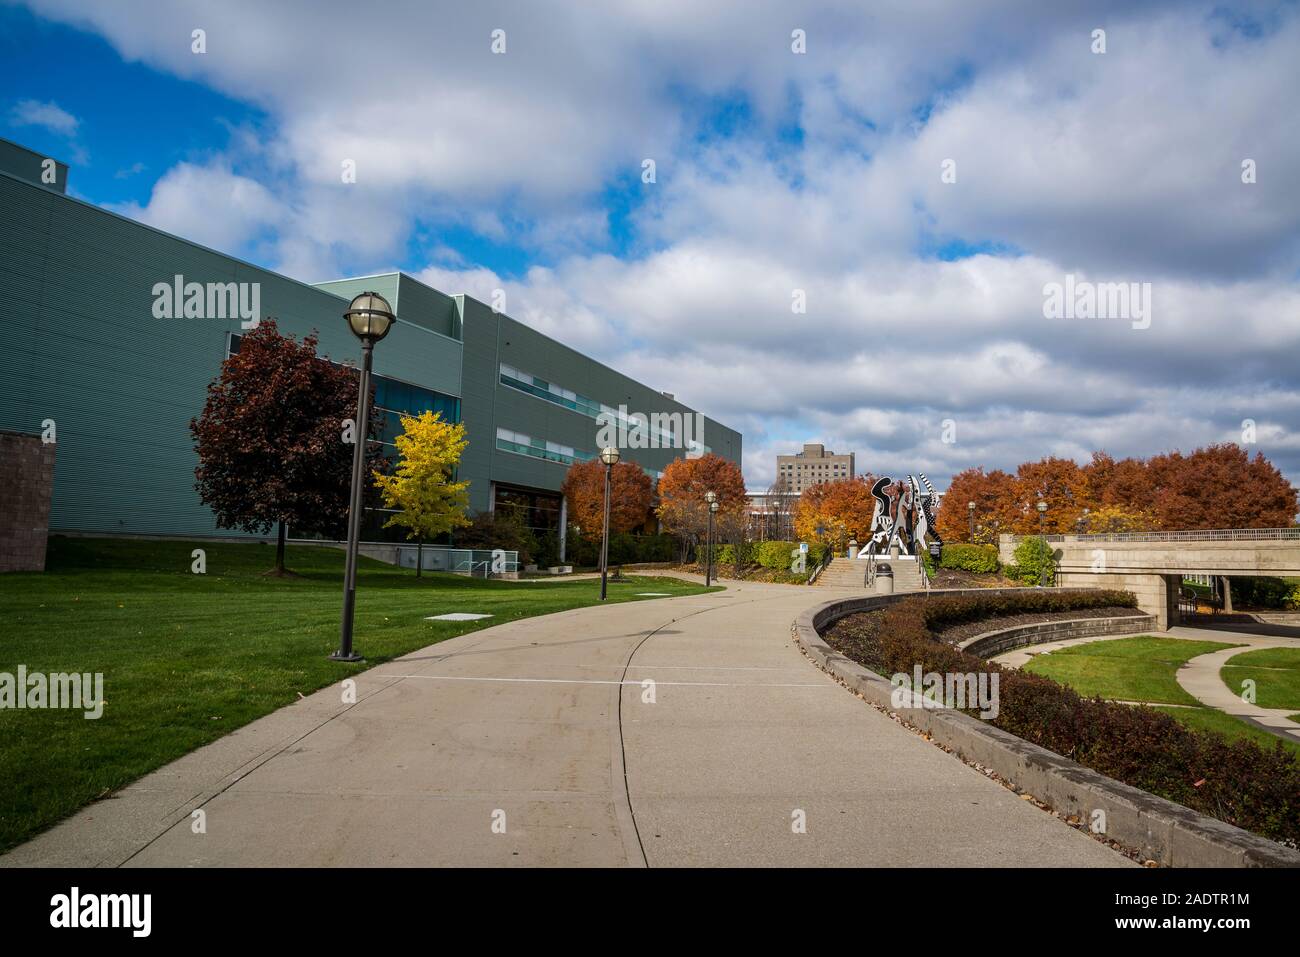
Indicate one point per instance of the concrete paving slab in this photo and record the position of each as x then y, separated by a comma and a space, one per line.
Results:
543, 719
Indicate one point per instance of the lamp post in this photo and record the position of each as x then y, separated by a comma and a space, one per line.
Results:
713, 507
369, 317
1042, 568
711, 498
608, 455
970, 510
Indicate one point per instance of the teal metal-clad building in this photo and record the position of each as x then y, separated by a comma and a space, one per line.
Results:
120, 386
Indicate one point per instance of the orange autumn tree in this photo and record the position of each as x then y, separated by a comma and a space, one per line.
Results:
631, 496
842, 510
682, 508
1219, 486
994, 495
1062, 484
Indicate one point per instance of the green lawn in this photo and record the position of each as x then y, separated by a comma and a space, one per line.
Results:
1127, 669
187, 658
1143, 669
1212, 719
1275, 671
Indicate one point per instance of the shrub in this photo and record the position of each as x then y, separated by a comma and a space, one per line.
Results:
1234, 780
500, 529
774, 554
1033, 555
625, 548
980, 559
1262, 592
724, 554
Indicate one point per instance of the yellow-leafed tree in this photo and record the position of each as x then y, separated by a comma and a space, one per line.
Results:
428, 502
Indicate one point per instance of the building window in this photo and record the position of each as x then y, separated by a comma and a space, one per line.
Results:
521, 444
593, 409
393, 399
539, 512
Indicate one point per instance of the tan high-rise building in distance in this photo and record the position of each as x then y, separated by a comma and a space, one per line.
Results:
811, 466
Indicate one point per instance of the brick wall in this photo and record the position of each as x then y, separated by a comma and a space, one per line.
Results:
26, 482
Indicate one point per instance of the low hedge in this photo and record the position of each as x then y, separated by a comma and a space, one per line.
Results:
961, 556
774, 554
1233, 780
625, 548
725, 554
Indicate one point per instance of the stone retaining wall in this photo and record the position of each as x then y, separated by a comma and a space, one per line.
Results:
993, 643
1158, 829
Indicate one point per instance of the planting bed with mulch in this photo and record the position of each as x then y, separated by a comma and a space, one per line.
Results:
1234, 780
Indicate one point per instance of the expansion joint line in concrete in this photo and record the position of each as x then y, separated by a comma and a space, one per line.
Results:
620, 752
189, 807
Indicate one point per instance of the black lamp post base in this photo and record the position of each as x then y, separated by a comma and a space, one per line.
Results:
349, 658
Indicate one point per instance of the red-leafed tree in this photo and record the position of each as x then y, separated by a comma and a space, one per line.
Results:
631, 496
271, 439
1220, 486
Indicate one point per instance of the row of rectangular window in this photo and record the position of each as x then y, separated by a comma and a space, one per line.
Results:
517, 442
558, 395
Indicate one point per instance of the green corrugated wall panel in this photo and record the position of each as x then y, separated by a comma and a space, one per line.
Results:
386, 285
491, 339
428, 306
479, 326
412, 301
27, 164
121, 385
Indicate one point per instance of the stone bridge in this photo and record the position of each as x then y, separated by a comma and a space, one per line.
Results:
1152, 564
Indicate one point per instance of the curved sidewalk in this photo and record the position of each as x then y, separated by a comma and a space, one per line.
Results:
1198, 676
687, 731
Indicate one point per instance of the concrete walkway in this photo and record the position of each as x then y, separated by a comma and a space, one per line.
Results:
1199, 676
546, 730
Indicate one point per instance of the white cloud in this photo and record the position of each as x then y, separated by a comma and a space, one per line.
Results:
209, 205
1123, 166
48, 115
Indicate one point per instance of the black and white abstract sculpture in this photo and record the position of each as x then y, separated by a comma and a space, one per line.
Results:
904, 515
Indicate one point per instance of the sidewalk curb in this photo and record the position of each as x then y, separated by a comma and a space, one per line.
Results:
1159, 829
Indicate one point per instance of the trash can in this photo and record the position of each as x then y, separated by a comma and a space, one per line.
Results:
884, 580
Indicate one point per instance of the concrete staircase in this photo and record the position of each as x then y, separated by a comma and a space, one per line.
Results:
852, 573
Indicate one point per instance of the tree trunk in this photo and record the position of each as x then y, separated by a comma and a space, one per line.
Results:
419, 555
279, 550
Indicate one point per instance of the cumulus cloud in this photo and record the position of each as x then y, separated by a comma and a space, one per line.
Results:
783, 174
209, 204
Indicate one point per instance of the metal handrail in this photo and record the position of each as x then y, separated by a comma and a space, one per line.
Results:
822, 565
469, 565
1198, 535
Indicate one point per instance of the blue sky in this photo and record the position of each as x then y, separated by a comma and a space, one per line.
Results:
778, 174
